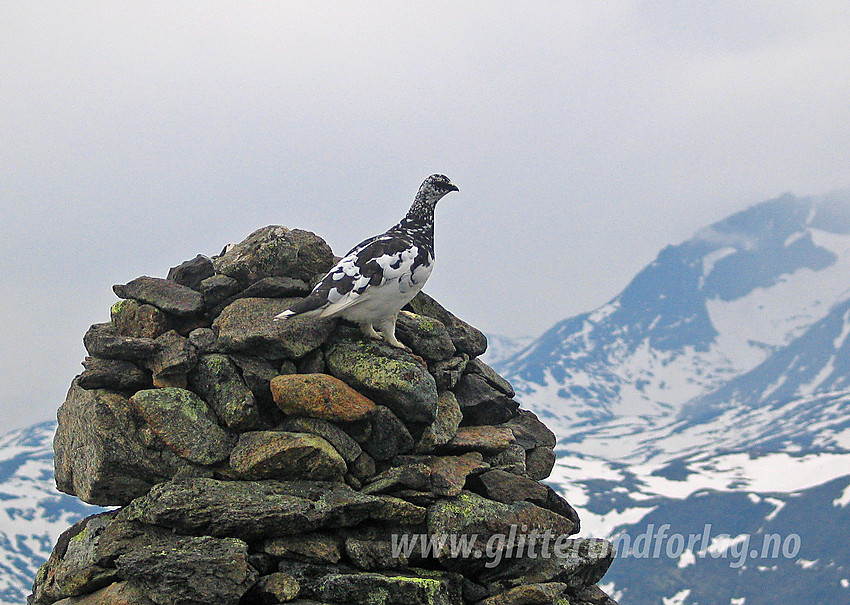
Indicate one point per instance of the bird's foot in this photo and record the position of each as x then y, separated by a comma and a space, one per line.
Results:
369, 331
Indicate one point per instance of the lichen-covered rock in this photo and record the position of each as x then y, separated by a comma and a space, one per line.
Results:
347, 447
275, 588
113, 374
276, 251
102, 340
485, 439
287, 461
253, 510
190, 570
528, 594
445, 427
73, 568
247, 325
388, 436
481, 518
380, 589
176, 357
164, 294
465, 338
320, 396
119, 593
387, 375
100, 455
316, 547
137, 319
184, 423
425, 336
217, 380
284, 455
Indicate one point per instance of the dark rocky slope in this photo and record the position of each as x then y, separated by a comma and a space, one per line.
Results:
259, 462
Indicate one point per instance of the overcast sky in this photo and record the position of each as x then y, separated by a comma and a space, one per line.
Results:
584, 137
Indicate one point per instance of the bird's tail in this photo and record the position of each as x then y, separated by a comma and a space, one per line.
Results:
285, 315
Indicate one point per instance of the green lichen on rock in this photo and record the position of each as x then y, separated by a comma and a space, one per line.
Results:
387, 375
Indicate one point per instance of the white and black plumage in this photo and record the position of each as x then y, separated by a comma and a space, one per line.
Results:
371, 283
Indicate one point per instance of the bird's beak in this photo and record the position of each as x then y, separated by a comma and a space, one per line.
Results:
452, 187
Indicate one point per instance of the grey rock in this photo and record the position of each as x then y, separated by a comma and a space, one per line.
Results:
465, 338
363, 468
576, 562
503, 486
73, 567
425, 336
275, 588
119, 593
528, 594
257, 374
529, 431
315, 547
189, 570
381, 589
166, 295
312, 363
347, 447
389, 437
285, 455
276, 287
444, 428
112, 374
478, 367
203, 339
386, 375
247, 326
447, 372
217, 380
276, 251
511, 459
472, 514
99, 452
481, 403
539, 462
176, 356
258, 510
415, 476
184, 423
103, 341
134, 318
192, 272
217, 289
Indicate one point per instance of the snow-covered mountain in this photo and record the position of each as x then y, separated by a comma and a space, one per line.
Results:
752, 310
32, 512
715, 389
500, 348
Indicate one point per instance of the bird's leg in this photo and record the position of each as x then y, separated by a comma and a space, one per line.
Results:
387, 327
369, 331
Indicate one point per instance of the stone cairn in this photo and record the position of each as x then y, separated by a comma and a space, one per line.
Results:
257, 462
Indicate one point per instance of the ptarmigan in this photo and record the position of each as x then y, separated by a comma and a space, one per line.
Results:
371, 283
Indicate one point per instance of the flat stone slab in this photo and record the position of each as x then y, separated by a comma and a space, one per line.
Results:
320, 396
247, 325
285, 455
164, 294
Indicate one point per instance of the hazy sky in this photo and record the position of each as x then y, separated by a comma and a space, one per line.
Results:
584, 137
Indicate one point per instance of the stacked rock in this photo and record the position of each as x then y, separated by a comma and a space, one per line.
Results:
259, 462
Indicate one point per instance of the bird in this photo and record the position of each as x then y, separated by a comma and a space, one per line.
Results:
376, 278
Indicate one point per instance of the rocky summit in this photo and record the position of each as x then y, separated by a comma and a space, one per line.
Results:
256, 462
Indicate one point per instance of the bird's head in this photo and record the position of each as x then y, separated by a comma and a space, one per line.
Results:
435, 187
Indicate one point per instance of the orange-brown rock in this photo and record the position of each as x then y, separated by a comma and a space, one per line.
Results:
320, 396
